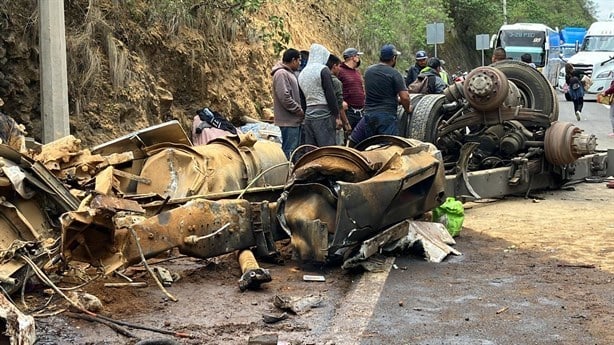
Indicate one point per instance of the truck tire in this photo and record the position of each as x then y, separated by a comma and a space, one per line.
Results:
536, 90
426, 117
404, 121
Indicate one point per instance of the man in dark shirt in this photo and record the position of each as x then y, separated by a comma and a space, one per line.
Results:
413, 71
385, 89
353, 89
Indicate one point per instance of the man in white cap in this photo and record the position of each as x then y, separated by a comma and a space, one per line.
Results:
385, 89
413, 71
353, 87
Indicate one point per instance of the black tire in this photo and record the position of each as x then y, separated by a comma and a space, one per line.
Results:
406, 117
536, 90
426, 117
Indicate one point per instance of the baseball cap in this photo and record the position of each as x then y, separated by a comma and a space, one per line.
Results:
434, 63
421, 55
351, 52
388, 52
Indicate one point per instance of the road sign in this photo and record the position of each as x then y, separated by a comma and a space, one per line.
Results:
434, 33
482, 41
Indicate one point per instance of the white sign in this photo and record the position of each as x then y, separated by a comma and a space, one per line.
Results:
482, 42
434, 33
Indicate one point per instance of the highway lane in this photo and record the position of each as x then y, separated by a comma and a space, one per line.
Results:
595, 120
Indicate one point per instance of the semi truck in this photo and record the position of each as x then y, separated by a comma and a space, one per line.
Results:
596, 57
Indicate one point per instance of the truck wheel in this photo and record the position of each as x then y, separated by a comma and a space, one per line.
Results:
536, 91
425, 118
404, 121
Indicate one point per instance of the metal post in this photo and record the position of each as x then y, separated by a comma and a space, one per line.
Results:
54, 81
504, 11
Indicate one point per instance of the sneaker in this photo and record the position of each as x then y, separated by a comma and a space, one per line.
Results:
578, 115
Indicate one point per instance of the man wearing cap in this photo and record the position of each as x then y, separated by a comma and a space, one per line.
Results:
353, 88
385, 89
432, 71
413, 71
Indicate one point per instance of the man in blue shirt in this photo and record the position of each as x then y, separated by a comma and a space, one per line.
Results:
385, 89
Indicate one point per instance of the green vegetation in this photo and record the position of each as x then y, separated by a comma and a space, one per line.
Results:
403, 23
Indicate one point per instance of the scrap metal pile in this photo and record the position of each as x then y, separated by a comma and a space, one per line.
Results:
151, 191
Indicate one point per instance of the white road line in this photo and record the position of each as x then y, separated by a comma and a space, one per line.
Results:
355, 310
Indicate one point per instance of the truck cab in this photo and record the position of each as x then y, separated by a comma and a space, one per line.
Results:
596, 56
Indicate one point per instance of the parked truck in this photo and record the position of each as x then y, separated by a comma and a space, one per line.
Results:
571, 40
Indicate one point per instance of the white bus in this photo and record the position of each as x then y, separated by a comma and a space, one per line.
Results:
539, 40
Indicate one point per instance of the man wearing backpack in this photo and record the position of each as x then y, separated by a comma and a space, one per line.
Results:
435, 84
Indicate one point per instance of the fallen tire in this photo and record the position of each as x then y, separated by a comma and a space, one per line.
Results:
537, 93
425, 118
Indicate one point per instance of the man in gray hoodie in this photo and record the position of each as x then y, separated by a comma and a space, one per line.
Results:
287, 101
322, 114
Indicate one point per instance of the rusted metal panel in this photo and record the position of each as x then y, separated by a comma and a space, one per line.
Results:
225, 164
356, 194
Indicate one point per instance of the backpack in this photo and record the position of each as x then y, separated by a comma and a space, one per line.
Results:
420, 85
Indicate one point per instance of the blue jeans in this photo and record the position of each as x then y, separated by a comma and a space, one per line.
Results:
380, 123
290, 139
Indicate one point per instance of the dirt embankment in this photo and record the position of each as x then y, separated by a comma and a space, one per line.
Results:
135, 64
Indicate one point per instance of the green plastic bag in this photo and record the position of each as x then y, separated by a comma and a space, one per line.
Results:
451, 214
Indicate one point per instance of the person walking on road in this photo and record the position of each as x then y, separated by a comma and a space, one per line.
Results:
610, 91
573, 79
385, 89
287, 101
322, 115
353, 87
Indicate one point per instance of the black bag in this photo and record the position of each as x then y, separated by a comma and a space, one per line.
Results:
214, 119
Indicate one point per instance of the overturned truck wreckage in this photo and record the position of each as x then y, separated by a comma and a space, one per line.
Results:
211, 200
499, 134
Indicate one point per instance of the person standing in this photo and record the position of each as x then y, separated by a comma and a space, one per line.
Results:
287, 101
573, 79
610, 91
385, 89
435, 83
413, 71
333, 64
322, 114
499, 55
353, 87
526, 58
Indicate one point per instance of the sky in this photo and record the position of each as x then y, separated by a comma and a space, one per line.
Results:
604, 7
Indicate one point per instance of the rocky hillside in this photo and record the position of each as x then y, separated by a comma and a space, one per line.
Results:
136, 63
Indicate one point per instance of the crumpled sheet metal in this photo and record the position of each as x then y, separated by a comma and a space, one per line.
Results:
20, 328
433, 237
356, 194
89, 234
225, 164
